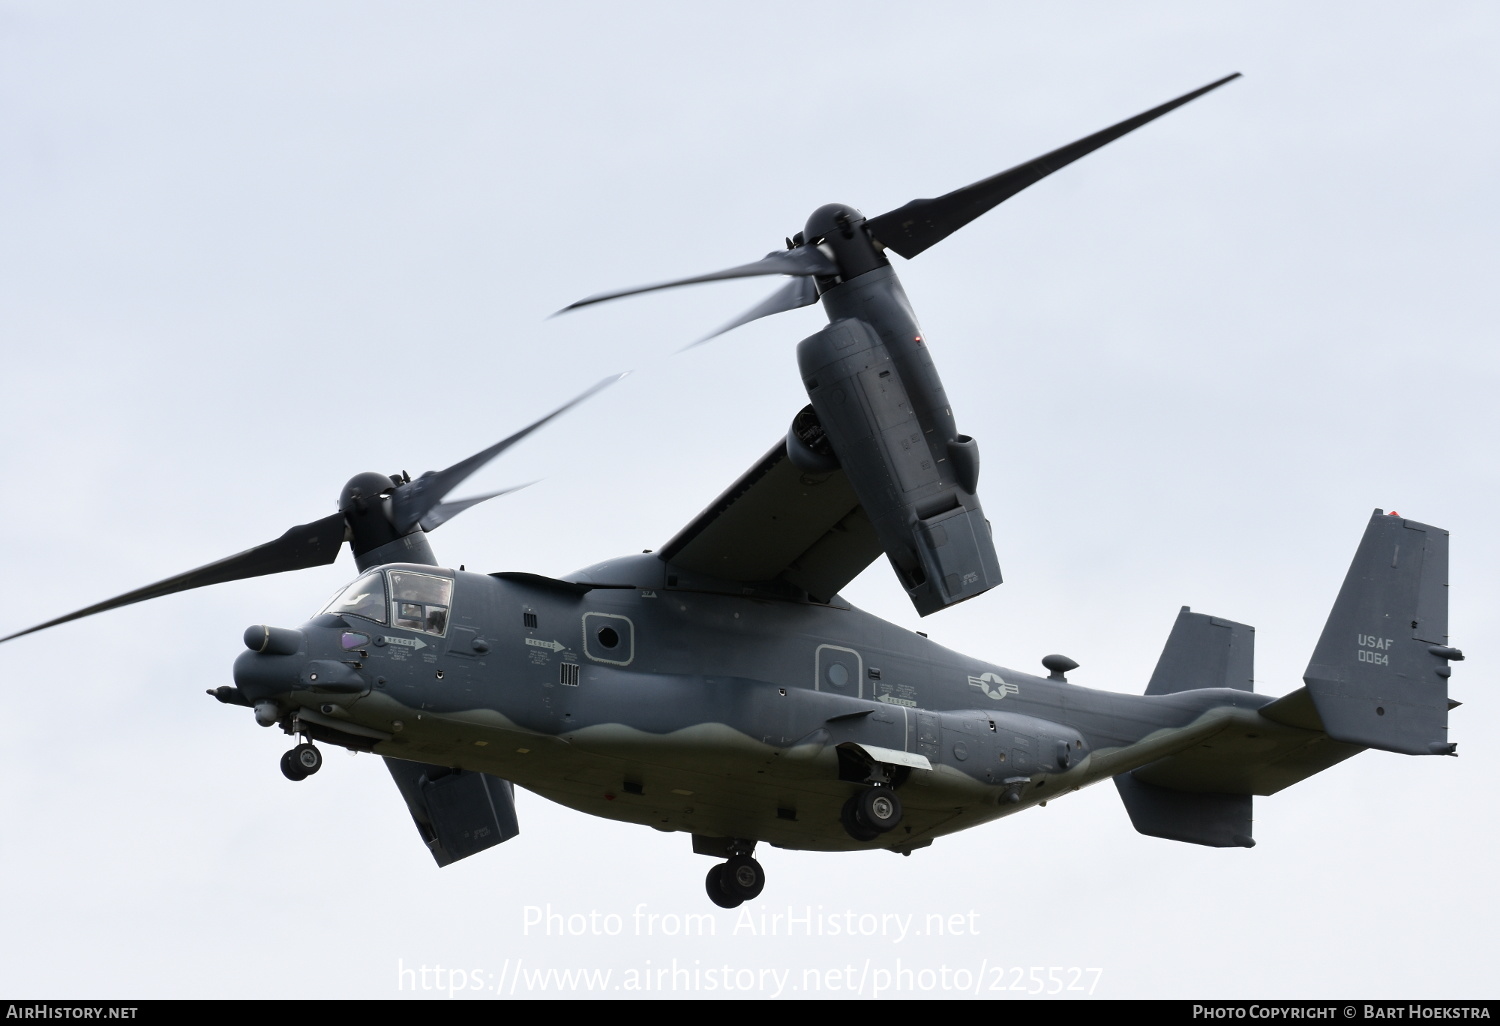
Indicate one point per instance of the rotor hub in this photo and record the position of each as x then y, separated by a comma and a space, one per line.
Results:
365, 488
841, 228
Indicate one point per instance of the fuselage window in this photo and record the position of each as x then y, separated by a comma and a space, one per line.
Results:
420, 602
365, 597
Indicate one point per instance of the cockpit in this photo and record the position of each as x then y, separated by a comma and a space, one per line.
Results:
406, 598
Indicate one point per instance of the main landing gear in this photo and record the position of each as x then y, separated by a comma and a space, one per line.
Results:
731, 884
871, 812
301, 762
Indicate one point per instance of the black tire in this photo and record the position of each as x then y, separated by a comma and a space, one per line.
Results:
290, 769
307, 758
716, 890
879, 809
853, 825
743, 878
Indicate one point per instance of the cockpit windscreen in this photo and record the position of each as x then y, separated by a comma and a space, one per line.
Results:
420, 602
365, 597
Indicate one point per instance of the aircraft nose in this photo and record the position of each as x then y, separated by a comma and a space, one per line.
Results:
271, 666
277, 663
261, 676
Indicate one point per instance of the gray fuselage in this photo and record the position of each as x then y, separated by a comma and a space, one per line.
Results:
717, 713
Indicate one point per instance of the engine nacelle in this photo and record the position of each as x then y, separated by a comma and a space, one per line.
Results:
915, 481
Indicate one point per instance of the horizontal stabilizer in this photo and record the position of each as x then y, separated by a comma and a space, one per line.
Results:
1279, 745
1205, 652
1379, 674
458, 812
1215, 820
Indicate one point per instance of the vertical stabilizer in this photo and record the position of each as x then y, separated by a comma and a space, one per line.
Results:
1214, 820
1201, 652
1379, 674
1205, 652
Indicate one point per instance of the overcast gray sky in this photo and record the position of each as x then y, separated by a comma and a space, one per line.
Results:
248, 250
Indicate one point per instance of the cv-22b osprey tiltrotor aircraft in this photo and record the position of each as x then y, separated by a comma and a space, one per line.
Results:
721, 687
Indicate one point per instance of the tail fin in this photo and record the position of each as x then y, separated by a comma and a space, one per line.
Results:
1201, 652
1205, 652
1197, 817
1379, 674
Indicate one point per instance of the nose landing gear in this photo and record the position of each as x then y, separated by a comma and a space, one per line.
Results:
731, 884
301, 762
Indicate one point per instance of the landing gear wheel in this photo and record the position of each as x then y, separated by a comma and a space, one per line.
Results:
290, 769
879, 808
307, 758
717, 893
853, 825
743, 878
870, 813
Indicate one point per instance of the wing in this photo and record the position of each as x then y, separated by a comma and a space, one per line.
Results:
777, 523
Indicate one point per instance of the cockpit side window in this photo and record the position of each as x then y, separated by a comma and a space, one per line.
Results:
365, 597
420, 602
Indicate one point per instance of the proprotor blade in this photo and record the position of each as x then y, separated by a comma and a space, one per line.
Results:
925, 222
446, 511
414, 500
314, 544
318, 543
798, 292
804, 260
